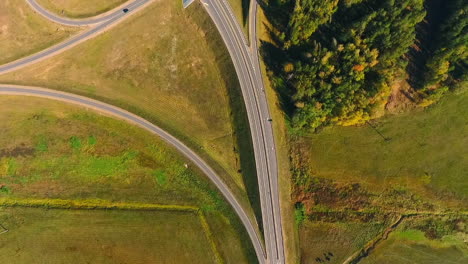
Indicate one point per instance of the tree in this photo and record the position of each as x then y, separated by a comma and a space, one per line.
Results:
307, 16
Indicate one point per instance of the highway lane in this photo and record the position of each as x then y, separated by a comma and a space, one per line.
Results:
134, 119
73, 41
263, 101
85, 21
246, 63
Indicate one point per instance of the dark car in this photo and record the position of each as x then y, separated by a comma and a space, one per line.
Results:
125, 10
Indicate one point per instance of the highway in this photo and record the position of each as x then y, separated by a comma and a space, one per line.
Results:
136, 120
246, 62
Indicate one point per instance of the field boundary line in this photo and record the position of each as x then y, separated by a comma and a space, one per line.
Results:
209, 236
91, 204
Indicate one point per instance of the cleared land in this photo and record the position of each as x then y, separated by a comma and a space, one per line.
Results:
102, 236
23, 32
173, 72
80, 8
425, 151
52, 150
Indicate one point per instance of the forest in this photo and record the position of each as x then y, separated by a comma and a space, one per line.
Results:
337, 61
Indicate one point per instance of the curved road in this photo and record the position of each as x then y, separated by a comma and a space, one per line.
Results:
246, 63
134, 119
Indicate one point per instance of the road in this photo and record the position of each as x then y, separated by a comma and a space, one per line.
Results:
246, 62
134, 119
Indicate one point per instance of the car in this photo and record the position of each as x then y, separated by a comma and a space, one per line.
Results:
269, 119
125, 10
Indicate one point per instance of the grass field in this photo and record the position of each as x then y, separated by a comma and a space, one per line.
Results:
172, 73
411, 161
80, 8
412, 247
52, 150
319, 239
425, 151
23, 32
102, 236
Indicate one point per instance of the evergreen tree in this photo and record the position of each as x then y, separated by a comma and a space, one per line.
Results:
307, 16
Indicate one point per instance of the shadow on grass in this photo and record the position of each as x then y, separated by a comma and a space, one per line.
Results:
245, 11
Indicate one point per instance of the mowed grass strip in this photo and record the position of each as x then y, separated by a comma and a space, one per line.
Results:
241, 11
23, 32
80, 8
103, 236
425, 151
91, 204
164, 63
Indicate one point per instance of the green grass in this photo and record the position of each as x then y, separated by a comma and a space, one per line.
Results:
411, 246
23, 32
80, 8
340, 239
52, 150
102, 236
426, 151
173, 72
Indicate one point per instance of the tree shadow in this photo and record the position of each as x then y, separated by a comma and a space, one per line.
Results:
245, 11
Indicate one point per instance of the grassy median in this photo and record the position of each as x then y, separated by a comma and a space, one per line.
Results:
241, 11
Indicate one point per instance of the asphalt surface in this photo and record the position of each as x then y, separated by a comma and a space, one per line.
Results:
134, 119
246, 63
